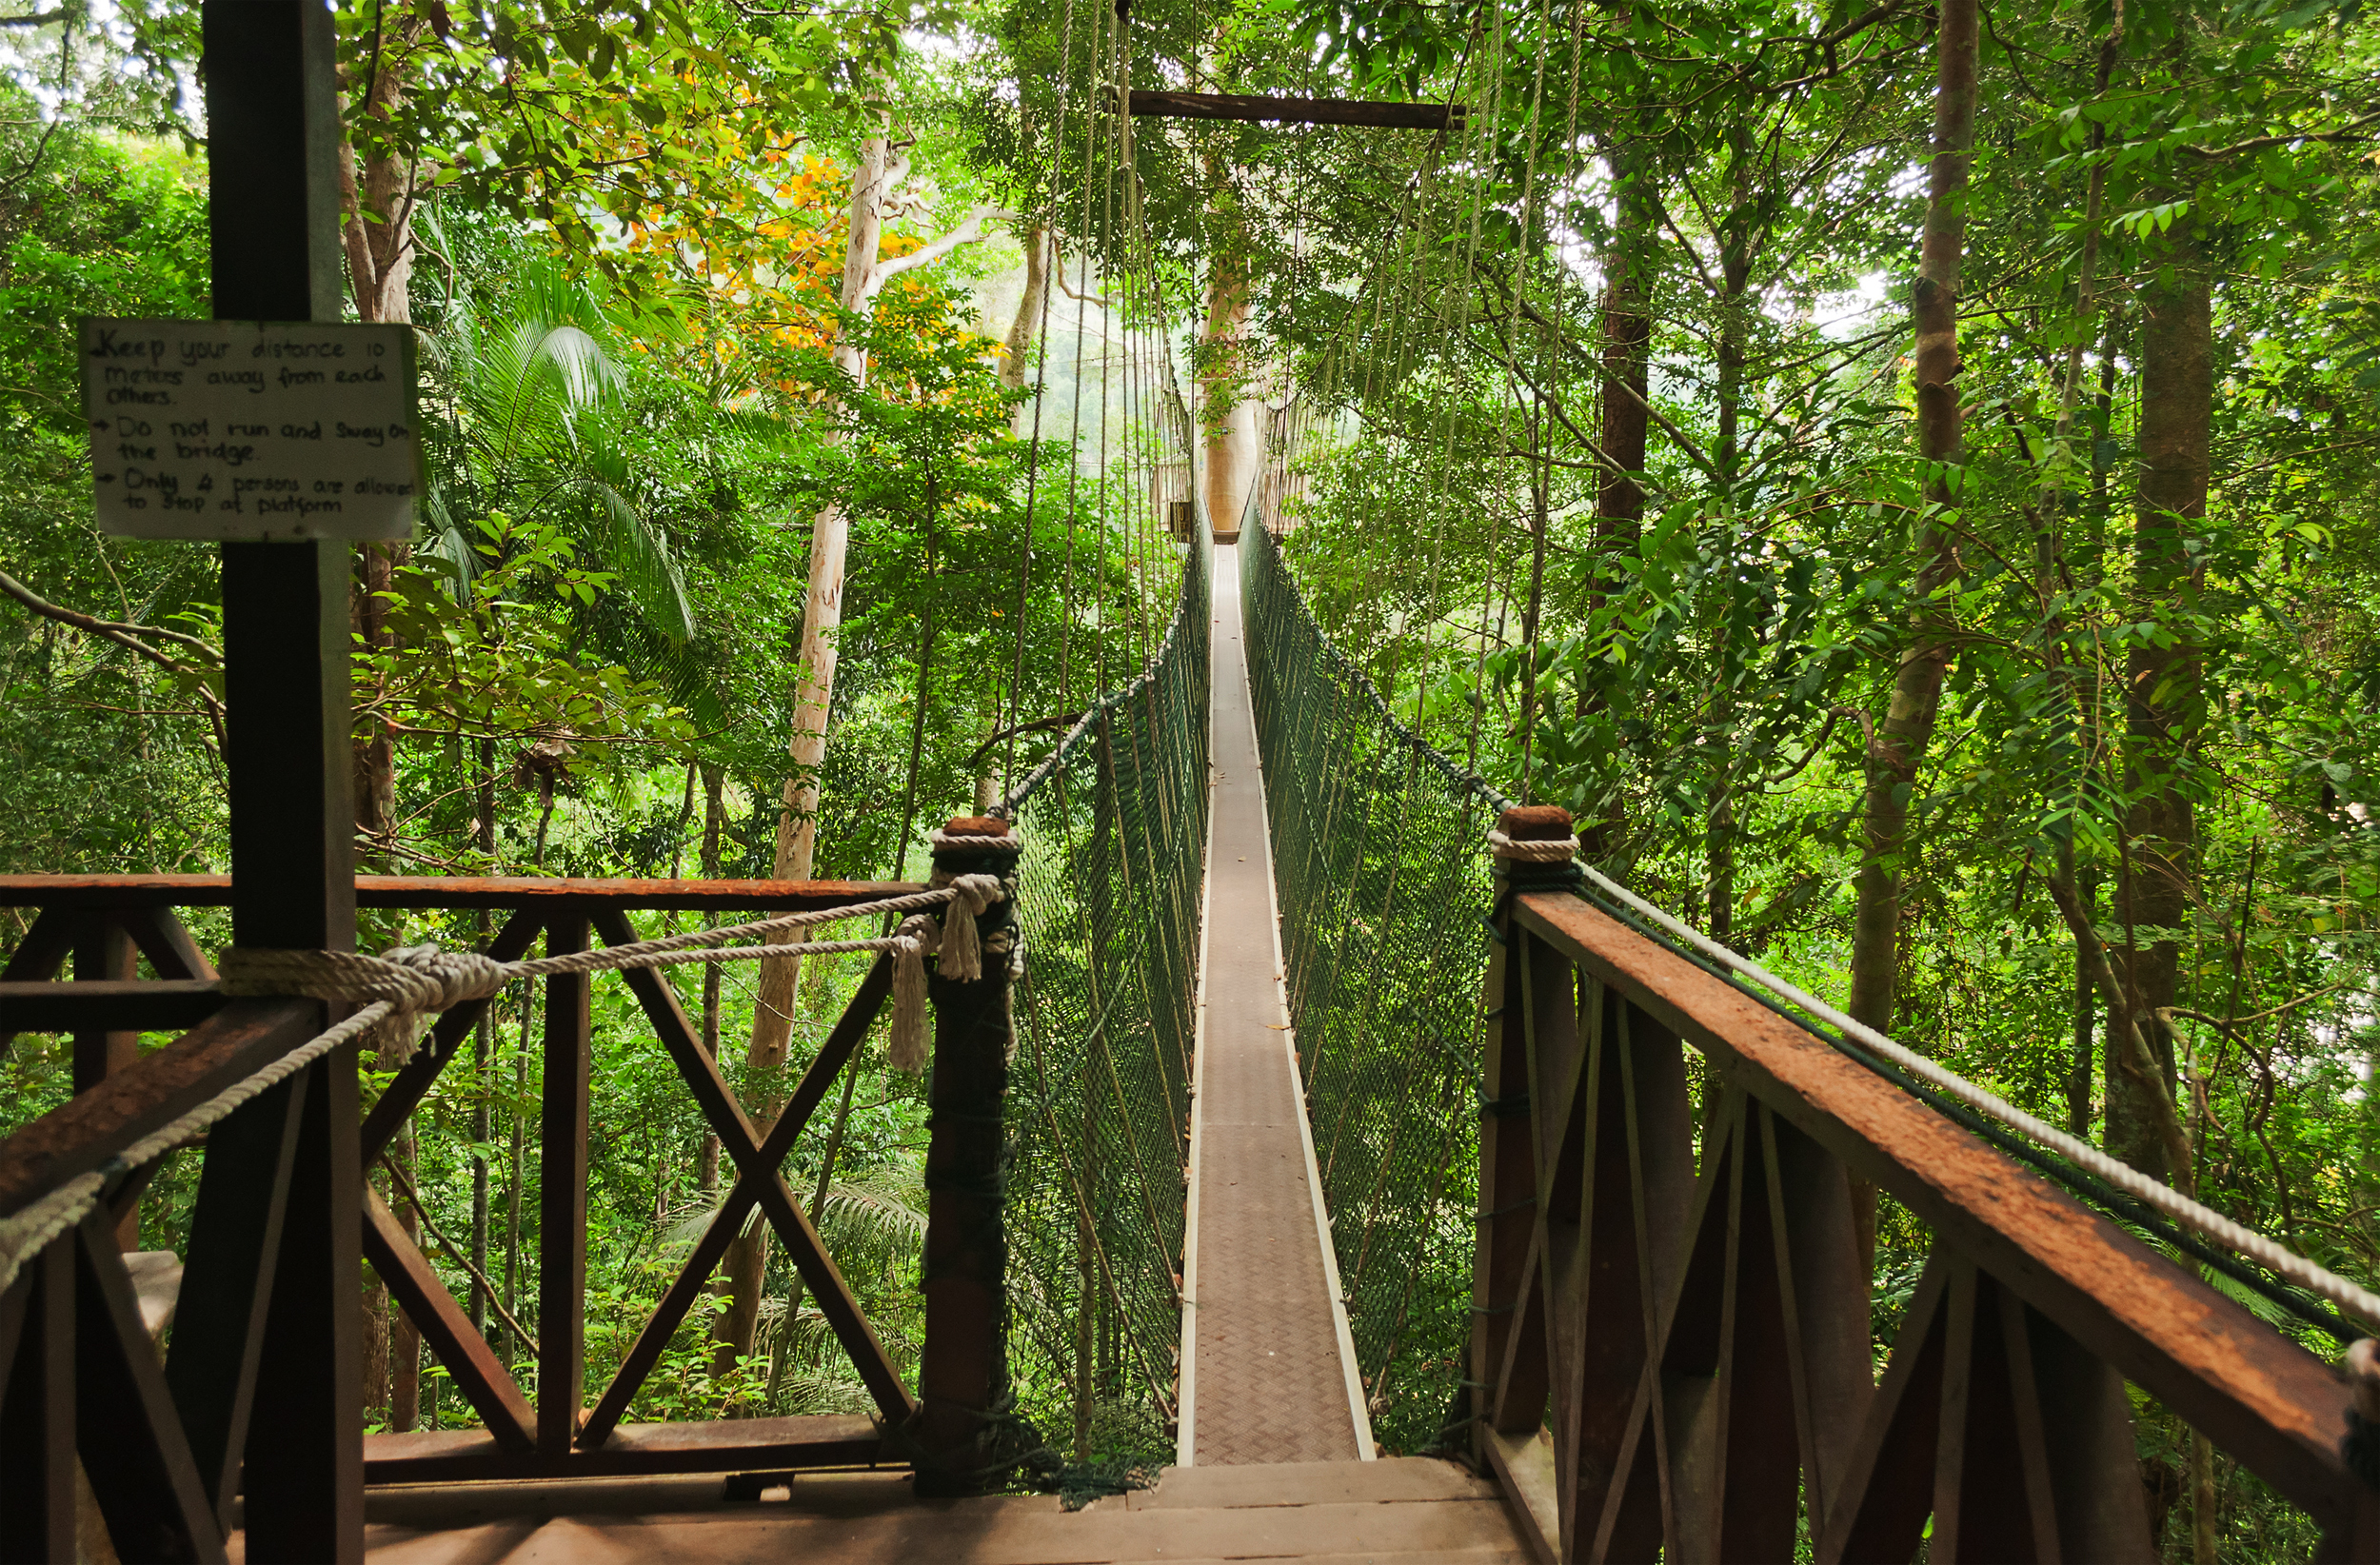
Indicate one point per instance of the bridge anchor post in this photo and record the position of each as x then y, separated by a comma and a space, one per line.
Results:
965, 1438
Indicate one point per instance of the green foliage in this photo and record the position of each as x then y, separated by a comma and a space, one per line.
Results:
626, 450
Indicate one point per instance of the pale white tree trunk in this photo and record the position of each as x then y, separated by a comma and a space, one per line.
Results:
881, 167
1232, 407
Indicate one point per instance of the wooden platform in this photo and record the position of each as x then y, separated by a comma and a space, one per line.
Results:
1406, 1509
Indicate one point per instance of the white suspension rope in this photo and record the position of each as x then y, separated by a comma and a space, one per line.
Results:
404, 985
2355, 1300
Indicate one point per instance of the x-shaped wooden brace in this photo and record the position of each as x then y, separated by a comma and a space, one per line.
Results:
72, 1327
484, 1378
759, 1181
478, 1373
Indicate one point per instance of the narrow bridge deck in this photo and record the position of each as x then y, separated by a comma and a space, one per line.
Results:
1265, 1371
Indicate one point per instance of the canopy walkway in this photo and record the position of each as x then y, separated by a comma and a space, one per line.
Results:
1414, 1166
1322, 1163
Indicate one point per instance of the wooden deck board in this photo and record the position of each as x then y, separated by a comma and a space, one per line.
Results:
1335, 1514
1392, 1479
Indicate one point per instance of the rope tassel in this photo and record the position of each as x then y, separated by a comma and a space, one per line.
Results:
961, 956
905, 1049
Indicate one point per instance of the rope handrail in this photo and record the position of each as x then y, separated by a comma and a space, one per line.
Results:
1872, 1048
403, 984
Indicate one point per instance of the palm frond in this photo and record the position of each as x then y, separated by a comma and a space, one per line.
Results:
883, 1213
627, 542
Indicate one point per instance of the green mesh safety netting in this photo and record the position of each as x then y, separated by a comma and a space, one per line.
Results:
1379, 852
1109, 886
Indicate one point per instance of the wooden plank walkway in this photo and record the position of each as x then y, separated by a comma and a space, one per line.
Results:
1265, 1375
1401, 1509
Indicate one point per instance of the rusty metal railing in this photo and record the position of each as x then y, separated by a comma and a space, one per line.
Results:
1672, 1344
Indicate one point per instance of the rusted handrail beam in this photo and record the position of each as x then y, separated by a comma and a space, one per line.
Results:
82, 1134
428, 891
2271, 1404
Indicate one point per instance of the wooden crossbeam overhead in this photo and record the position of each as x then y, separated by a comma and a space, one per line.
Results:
1241, 106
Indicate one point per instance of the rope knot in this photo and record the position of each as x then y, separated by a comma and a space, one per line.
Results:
961, 956
1547, 850
413, 981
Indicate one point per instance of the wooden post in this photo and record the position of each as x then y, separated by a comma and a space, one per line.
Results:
37, 1409
562, 1194
103, 952
1501, 1277
962, 1373
272, 114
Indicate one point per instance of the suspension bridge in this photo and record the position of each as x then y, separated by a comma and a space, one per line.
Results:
1324, 1164
1301, 1110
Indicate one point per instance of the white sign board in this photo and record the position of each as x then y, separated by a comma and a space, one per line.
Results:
254, 430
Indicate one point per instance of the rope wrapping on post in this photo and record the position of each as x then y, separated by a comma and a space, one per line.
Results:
400, 988
1557, 851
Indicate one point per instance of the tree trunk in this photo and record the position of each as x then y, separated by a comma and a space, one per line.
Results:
375, 1349
2163, 700
797, 824
375, 754
1896, 747
404, 1338
1627, 331
866, 271
2053, 505
1626, 328
1017, 350
1719, 728
376, 230
714, 814
1228, 408
2086, 1006
483, 1056
518, 1169
376, 185
1899, 744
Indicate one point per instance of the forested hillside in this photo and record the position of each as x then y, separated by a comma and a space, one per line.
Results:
1902, 474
